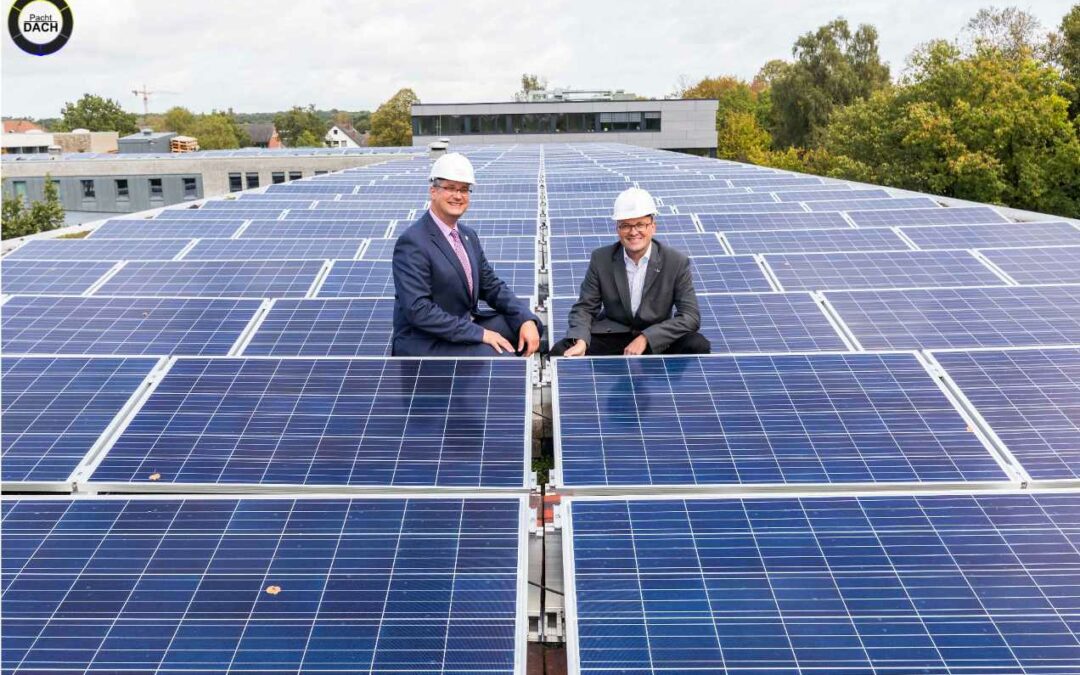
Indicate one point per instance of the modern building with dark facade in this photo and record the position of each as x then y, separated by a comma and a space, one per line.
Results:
677, 124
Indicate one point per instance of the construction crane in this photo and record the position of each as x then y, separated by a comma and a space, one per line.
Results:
145, 93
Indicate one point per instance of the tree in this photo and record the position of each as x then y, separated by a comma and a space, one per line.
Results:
361, 121
1065, 52
291, 125
97, 114
742, 139
41, 216
215, 131
1011, 31
833, 67
180, 120
736, 99
307, 139
391, 123
530, 83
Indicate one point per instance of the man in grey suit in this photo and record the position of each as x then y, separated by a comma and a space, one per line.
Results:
629, 292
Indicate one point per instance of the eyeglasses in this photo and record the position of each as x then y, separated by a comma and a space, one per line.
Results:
626, 228
460, 191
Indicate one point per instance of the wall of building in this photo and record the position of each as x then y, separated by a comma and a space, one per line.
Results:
95, 141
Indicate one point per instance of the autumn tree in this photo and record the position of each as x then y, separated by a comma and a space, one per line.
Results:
391, 123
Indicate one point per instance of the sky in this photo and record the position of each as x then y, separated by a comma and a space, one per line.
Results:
268, 55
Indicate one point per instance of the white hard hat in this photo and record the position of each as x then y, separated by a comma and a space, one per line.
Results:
453, 166
633, 203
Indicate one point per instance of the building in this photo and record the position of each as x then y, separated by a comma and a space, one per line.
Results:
147, 140
344, 136
263, 135
40, 142
555, 95
26, 143
20, 126
682, 125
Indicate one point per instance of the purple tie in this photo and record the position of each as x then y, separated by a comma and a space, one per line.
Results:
455, 242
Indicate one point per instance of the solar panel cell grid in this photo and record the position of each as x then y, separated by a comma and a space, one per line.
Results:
496, 249
322, 229
991, 235
112, 250
816, 241
274, 249
1048, 265
41, 277
224, 279
950, 216
874, 204
325, 328
580, 247
734, 222
372, 422
718, 274
911, 269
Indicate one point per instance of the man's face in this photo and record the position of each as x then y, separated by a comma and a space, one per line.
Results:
636, 234
449, 199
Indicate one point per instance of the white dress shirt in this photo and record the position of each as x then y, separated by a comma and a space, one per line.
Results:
635, 274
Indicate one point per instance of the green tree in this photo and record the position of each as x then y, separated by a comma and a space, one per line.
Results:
531, 82
97, 114
741, 138
361, 121
1065, 52
309, 140
735, 99
215, 131
833, 67
47, 214
291, 125
1011, 31
391, 123
179, 119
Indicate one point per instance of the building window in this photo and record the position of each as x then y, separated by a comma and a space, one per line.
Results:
319, 173
236, 182
122, 191
191, 188
652, 121
20, 188
157, 192
277, 177
253, 180
88, 191
535, 123
295, 175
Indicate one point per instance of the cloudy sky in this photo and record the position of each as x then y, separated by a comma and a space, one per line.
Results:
270, 54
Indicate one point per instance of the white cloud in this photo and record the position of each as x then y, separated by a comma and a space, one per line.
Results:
270, 54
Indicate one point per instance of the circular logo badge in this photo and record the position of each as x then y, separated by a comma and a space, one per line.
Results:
40, 27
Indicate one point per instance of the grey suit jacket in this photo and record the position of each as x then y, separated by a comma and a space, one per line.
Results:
604, 303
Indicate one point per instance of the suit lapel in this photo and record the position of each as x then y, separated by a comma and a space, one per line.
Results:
618, 268
652, 272
472, 247
443, 245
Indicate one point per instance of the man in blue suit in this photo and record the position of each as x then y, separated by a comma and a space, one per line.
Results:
440, 274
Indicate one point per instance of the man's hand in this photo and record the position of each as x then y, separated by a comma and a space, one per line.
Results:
497, 342
528, 338
637, 347
578, 349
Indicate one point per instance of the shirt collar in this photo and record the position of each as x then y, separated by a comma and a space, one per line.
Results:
443, 227
644, 259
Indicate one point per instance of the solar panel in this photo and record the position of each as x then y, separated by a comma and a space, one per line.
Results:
369, 422
705, 211
788, 419
876, 584
494, 227
340, 327
54, 411
213, 279
274, 249
41, 277
803, 195
900, 269
322, 229
989, 236
102, 249
748, 322
252, 210
959, 215
264, 201
496, 249
374, 279
263, 585
581, 246
717, 202
123, 326
874, 204
733, 222
1008, 316
165, 229
1048, 265
603, 224
816, 241
346, 214
718, 274
775, 181
1029, 397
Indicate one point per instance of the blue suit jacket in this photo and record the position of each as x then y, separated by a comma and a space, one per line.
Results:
431, 299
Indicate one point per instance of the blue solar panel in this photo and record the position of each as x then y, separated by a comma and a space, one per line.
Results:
262, 585
369, 422
950, 216
789, 419
936, 318
874, 204
718, 202
481, 213
885, 584
803, 195
900, 269
496, 249
775, 181
213, 279
718, 274
165, 229
69, 277
581, 246
274, 249
54, 411
374, 279
322, 229
1031, 400
264, 202
493, 227
346, 214
1049, 265
123, 326
339, 327
102, 249
748, 322
994, 235
816, 241
249, 210
705, 212
603, 224
734, 222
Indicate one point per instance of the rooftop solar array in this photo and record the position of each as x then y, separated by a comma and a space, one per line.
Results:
101, 249
496, 249
166, 229
1047, 233
274, 249
215, 279
815, 241
325, 327
42, 277
1049, 265
863, 269
581, 246
715, 274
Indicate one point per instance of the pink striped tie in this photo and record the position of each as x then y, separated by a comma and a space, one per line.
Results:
455, 240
